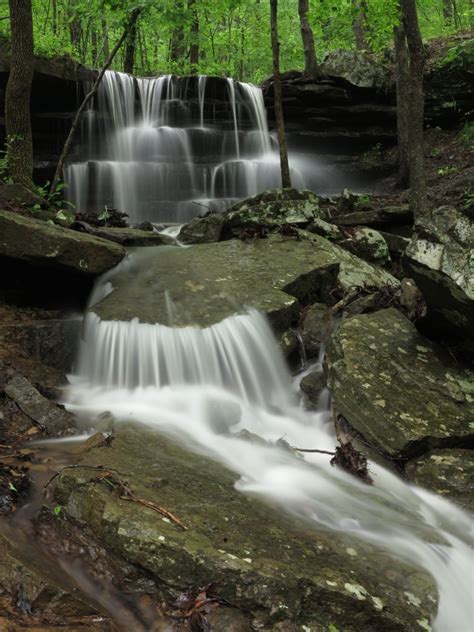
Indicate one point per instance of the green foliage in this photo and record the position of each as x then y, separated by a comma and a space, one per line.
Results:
446, 171
467, 135
459, 56
56, 511
373, 156
234, 35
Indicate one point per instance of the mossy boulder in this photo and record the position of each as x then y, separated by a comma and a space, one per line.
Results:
316, 328
202, 230
368, 244
208, 282
440, 258
42, 244
449, 473
270, 565
397, 389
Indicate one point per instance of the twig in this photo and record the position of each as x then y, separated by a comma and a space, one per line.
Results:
316, 451
155, 507
85, 467
67, 145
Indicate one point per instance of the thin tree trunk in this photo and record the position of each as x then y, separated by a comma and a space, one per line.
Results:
130, 46
67, 145
280, 123
54, 17
105, 35
403, 106
416, 58
310, 64
177, 48
94, 47
17, 98
359, 24
75, 29
194, 39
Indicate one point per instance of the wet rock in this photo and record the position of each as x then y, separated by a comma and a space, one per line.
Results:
325, 229
440, 257
368, 244
228, 620
449, 473
312, 386
397, 389
202, 230
316, 328
130, 237
271, 566
209, 282
377, 217
47, 414
41, 244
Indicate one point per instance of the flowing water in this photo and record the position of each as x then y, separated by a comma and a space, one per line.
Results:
202, 387
164, 149
169, 148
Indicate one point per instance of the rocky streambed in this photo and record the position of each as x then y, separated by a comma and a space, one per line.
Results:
158, 526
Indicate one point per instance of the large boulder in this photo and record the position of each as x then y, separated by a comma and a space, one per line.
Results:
45, 245
202, 230
397, 389
368, 244
359, 68
272, 566
440, 258
449, 473
209, 282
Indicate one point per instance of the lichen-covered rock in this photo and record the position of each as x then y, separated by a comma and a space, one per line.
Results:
272, 566
44, 245
325, 229
202, 230
449, 473
273, 208
397, 389
440, 257
368, 244
357, 67
208, 282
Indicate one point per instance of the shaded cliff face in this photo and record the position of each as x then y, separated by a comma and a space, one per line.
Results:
346, 117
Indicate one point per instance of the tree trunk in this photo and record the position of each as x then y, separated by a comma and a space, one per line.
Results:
17, 98
310, 63
194, 39
75, 29
70, 137
105, 35
129, 59
416, 61
359, 24
403, 106
280, 123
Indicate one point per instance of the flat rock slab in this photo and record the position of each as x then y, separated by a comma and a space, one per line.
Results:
131, 237
449, 473
396, 388
206, 283
270, 565
45, 245
377, 217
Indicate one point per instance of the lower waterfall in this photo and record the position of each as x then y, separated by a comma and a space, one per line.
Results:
202, 388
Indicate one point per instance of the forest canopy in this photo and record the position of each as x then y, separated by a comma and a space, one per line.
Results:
222, 37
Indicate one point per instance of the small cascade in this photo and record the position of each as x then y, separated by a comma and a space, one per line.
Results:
167, 149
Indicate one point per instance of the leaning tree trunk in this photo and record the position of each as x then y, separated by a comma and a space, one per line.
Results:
310, 63
17, 98
416, 61
70, 137
280, 123
403, 106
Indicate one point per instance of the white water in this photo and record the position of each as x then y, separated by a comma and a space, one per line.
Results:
163, 148
201, 387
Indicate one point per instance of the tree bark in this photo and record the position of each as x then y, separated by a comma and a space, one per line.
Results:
130, 46
75, 29
70, 137
17, 98
280, 123
359, 24
416, 63
177, 48
310, 64
194, 39
403, 106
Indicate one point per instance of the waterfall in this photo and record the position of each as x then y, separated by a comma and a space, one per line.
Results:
168, 148
202, 387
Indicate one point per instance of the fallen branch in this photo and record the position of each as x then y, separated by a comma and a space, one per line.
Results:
67, 145
315, 451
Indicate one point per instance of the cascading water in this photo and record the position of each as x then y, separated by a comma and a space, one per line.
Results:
169, 148
202, 387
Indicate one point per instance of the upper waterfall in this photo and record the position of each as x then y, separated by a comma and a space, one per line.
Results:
169, 148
